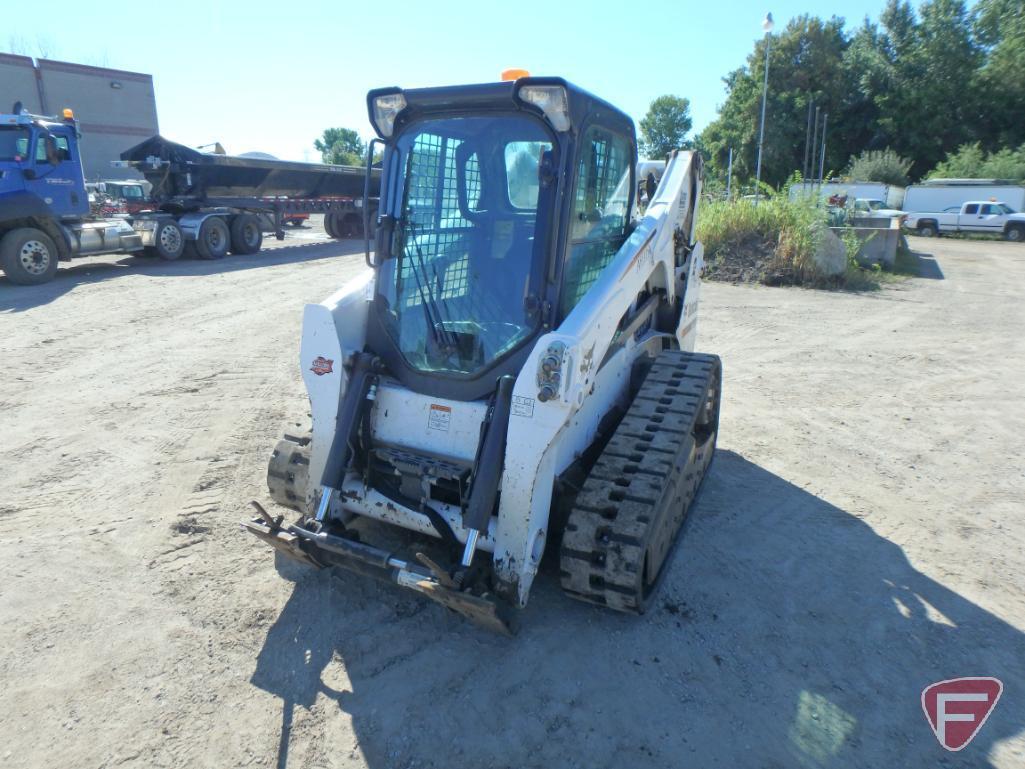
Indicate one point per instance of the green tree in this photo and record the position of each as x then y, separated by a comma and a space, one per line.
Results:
970, 161
999, 27
909, 82
341, 146
924, 93
805, 63
666, 126
879, 166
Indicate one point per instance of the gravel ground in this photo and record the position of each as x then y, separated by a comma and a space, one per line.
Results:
859, 537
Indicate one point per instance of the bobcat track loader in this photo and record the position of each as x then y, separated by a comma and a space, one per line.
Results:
515, 367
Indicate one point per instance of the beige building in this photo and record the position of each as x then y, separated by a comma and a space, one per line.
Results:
115, 109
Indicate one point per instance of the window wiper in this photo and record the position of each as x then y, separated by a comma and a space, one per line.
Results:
429, 302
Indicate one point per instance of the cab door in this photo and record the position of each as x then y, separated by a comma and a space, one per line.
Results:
991, 218
600, 211
58, 176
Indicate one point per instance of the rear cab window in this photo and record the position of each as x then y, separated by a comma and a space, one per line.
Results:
522, 160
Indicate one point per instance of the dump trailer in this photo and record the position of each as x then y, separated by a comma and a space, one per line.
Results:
514, 373
210, 204
189, 182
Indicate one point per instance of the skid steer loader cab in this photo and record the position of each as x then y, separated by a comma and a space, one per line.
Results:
477, 180
516, 369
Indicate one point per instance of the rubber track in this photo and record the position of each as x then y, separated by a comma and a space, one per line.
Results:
289, 471
636, 497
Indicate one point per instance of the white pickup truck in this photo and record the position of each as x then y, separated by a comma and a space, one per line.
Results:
973, 216
875, 207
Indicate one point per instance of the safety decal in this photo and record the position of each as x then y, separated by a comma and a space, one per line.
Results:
322, 365
440, 417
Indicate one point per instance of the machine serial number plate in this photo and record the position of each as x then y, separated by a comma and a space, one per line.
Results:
439, 418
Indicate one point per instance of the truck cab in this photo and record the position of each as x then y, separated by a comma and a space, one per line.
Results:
40, 168
131, 194
873, 207
44, 204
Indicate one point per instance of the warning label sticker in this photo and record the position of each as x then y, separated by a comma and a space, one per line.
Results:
439, 417
522, 407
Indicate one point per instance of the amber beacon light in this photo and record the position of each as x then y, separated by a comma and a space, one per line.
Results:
514, 74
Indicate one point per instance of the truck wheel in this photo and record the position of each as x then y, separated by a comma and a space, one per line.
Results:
1015, 234
168, 241
927, 230
28, 256
351, 227
246, 237
330, 224
214, 238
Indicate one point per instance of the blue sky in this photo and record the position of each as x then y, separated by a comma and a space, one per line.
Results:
254, 78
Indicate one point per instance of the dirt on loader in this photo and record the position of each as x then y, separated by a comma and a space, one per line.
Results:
858, 537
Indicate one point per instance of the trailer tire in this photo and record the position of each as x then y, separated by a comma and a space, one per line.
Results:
331, 223
351, 226
1015, 233
214, 238
246, 236
928, 230
28, 256
168, 240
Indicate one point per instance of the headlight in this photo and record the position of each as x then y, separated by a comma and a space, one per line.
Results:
550, 99
386, 109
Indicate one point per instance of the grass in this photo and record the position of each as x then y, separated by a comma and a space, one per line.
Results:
775, 243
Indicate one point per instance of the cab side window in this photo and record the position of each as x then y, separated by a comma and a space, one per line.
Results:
600, 207
972, 208
63, 151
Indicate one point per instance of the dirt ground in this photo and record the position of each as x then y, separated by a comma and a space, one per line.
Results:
859, 537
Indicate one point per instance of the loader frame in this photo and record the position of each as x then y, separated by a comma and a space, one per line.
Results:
569, 376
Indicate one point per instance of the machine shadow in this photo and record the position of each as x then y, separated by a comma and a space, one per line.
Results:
787, 634
19, 298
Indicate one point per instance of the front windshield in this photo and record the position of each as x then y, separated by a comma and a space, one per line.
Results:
875, 205
459, 289
13, 143
129, 191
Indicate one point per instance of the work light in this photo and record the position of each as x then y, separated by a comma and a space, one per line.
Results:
550, 99
386, 109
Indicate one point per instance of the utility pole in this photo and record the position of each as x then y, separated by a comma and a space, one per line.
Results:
822, 161
729, 174
807, 141
767, 25
814, 146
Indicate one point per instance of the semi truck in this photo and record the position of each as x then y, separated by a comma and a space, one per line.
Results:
204, 203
